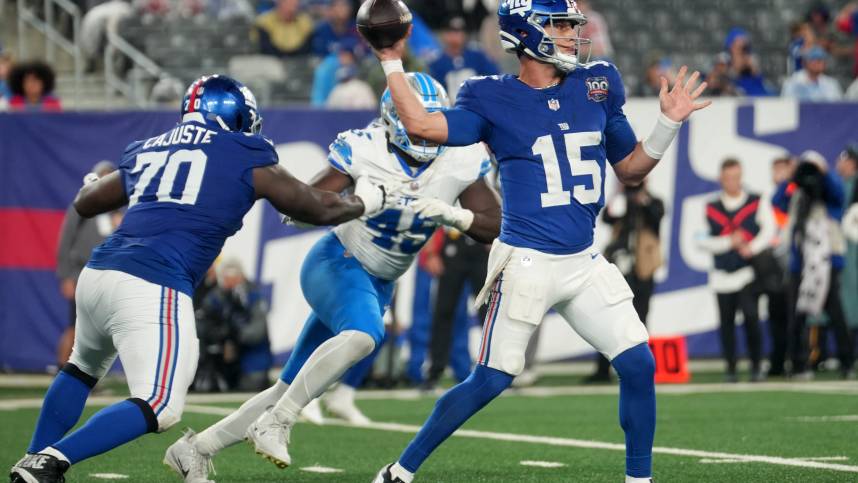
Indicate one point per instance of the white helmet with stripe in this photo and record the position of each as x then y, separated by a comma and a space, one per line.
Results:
434, 97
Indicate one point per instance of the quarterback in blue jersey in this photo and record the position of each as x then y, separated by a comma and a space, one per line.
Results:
187, 191
553, 129
348, 276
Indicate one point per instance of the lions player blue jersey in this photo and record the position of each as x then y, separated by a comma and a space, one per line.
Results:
188, 190
551, 146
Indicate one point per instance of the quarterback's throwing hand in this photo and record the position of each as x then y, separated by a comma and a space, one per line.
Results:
678, 103
444, 214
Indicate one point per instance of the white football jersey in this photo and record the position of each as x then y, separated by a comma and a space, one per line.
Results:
387, 243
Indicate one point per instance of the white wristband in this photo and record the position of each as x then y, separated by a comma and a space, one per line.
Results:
662, 136
392, 66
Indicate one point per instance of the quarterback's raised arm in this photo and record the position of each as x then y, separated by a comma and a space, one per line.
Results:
100, 195
431, 126
677, 105
310, 205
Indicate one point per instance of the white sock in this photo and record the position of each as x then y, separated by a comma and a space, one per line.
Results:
632, 479
325, 366
397, 471
230, 430
50, 450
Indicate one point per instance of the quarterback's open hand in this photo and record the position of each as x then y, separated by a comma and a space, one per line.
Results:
397, 51
678, 103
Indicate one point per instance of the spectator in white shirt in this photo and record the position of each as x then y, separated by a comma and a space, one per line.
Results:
811, 83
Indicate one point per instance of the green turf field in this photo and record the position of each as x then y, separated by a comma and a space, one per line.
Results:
712, 433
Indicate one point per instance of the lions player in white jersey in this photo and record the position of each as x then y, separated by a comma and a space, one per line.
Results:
348, 276
553, 130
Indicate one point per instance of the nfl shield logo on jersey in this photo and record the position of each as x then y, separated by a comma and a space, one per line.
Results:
554, 104
597, 88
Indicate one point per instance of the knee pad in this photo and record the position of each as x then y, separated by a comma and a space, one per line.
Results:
360, 343
635, 364
512, 361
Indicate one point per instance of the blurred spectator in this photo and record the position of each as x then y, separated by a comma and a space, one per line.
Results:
743, 67
596, 30
374, 74
718, 78
168, 92
740, 227
340, 24
233, 330
351, 92
341, 65
818, 19
852, 91
459, 61
284, 31
847, 22
814, 200
802, 39
811, 83
658, 68
78, 237
847, 169
436, 13
454, 259
422, 42
782, 172
635, 218
32, 85
229, 9
97, 23
6, 62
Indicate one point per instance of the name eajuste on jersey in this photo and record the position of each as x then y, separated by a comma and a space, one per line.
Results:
183, 134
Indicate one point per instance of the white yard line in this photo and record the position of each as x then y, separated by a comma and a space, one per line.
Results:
321, 469
846, 418
811, 463
542, 464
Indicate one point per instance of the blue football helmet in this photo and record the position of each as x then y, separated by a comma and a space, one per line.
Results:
522, 29
434, 97
224, 102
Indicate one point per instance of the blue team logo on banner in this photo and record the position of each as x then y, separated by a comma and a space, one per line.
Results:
597, 88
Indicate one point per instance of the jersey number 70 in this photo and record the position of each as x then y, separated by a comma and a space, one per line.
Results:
556, 195
149, 164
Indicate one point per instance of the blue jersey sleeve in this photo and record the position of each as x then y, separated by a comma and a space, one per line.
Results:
259, 150
620, 139
466, 123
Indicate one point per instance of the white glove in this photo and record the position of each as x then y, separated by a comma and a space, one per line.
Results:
288, 220
850, 224
440, 212
372, 195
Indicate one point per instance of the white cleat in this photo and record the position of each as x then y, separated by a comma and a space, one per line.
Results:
183, 458
340, 402
312, 413
270, 438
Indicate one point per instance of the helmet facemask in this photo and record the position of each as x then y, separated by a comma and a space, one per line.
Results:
548, 48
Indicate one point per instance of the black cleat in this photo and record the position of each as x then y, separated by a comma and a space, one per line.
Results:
39, 468
384, 476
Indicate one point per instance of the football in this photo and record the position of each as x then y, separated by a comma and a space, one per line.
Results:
383, 22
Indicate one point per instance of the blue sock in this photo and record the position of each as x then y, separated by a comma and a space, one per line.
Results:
636, 368
357, 373
62, 407
452, 410
111, 427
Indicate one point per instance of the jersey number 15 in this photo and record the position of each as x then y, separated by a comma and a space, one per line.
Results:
149, 164
556, 195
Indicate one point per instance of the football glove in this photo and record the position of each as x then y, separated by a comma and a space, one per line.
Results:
440, 212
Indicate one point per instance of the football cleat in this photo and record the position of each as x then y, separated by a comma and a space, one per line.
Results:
343, 406
312, 413
270, 439
384, 476
39, 468
183, 458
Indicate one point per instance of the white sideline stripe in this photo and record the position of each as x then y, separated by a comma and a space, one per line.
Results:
710, 460
542, 464
817, 458
850, 418
321, 469
524, 438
